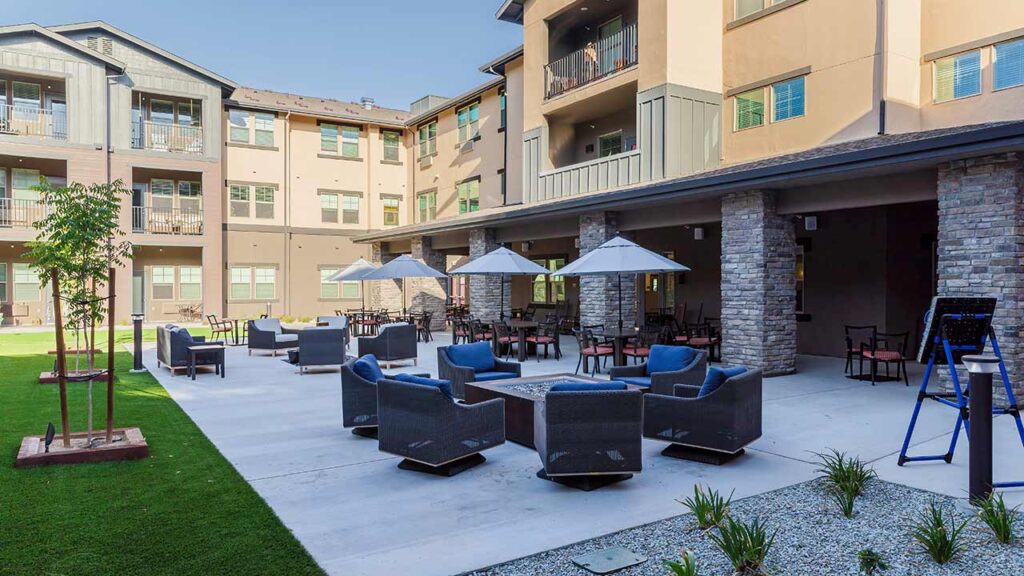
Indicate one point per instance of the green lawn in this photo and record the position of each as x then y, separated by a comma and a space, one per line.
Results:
182, 511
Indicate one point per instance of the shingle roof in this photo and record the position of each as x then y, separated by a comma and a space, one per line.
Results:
313, 106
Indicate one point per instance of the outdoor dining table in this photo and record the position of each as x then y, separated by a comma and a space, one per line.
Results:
522, 327
235, 327
619, 339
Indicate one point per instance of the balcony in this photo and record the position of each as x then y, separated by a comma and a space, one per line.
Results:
21, 214
166, 137
597, 175
595, 61
173, 221
34, 121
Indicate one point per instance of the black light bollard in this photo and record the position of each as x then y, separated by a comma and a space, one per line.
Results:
137, 343
981, 369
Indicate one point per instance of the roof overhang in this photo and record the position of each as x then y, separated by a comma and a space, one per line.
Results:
511, 11
110, 63
887, 158
456, 101
232, 103
497, 66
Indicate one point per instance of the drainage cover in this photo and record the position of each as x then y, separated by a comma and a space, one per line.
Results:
608, 560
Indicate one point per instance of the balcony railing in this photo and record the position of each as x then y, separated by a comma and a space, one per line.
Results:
177, 221
591, 176
34, 121
21, 213
591, 63
148, 135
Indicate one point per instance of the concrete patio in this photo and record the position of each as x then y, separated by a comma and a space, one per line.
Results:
358, 514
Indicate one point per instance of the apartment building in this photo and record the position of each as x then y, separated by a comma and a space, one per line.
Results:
58, 86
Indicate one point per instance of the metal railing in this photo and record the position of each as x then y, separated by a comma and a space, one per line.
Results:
16, 213
148, 135
592, 62
33, 121
177, 221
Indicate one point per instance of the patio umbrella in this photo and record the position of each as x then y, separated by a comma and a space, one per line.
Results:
403, 267
501, 262
355, 272
620, 256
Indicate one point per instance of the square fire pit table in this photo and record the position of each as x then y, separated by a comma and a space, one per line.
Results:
520, 395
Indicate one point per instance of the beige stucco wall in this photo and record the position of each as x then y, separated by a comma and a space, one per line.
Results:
514, 78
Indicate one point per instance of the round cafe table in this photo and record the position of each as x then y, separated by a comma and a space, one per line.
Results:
619, 339
522, 327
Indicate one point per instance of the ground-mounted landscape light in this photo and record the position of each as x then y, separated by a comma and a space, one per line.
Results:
137, 343
981, 369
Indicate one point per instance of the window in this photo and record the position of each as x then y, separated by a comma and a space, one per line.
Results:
749, 107
469, 122
328, 138
190, 282
390, 211
161, 194
328, 207
1008, 62
26, 284
350, 209
241, 283
264, 129
350, 290
469, 196
238, 122
799, 279
788, 99
748, 7
609, 144
264, 202
3, 282
349, 142
548, 289
427, 206
27, 100
190, 197
391, 142
329, 290
266, 282
958, 76
503, 104
163, 282
239, 198
161, 112
24, 184
428, 139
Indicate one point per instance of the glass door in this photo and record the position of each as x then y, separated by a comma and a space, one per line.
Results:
610, 44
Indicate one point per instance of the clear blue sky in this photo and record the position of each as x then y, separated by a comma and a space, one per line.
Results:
392, 50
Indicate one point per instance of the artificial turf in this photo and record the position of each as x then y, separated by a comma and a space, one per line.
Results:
182, 511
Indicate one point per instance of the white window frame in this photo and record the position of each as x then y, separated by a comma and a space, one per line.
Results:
603, 137
325, 200
953, 57
736, 110
346, 140
257, 190
189, 276
159, 276
349, 205
23, 277
773, 87
427, 145
326, 138
394, 149
469, 129
256, 281
391, 207
263, 125
237, 203
331, 286
240, 276
234, 132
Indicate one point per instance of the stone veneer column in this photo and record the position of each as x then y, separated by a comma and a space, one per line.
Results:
758, 283
429, 294
485, 292
981, 244
383, 293
599, 295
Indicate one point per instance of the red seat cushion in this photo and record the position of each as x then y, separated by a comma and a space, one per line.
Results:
681, 339
637, 351
883, 355
507, 339
540, 339
600, 351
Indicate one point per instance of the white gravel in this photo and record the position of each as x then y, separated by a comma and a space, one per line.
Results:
814, 538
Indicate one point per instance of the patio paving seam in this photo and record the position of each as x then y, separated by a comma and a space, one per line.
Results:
314, 470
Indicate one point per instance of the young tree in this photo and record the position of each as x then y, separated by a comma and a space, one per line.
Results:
80, 238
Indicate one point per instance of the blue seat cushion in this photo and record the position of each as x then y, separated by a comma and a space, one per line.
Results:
476, 356
485, 376
644, 381
368, 368
443, 385
588, 386
669, 358
716, 377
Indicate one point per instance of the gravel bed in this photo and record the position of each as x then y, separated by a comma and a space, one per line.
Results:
814, 538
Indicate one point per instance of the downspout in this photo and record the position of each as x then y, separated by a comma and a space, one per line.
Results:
504, 163
286, 193
883, 25
109, 145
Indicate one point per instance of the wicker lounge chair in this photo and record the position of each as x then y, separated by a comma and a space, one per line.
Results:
321, 347
393, 342
472, 363
172, 345
666, 366
359, 395
589, 435
712, 428
267, 334
432, 432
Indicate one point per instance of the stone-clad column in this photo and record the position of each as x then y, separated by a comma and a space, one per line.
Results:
485, 292
981, 244
758, 283
599, 295
383, 293
429, 294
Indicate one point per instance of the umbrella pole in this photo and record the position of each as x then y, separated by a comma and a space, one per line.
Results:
619, 277
501, 316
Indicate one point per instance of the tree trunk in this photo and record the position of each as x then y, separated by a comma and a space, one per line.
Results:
110, 357
61, 362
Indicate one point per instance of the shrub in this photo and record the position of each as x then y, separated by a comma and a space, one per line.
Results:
994, 513
686, 566
871, 562
708, 507
846, 478
937, 535
745, 545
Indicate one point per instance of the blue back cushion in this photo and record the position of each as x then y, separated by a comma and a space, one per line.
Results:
588, 386
185, 336
368, 369
669, 358
443, 385
716, 377
476, 356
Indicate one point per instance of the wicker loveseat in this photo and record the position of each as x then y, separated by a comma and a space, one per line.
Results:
394, 342
172, 344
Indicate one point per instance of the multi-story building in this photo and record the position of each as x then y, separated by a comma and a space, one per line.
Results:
815, 163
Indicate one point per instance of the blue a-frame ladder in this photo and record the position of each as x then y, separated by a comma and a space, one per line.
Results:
947, 338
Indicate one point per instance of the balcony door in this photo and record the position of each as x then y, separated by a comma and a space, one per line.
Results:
609, 41
57, 104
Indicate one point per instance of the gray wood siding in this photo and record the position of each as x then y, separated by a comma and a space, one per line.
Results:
679, 131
